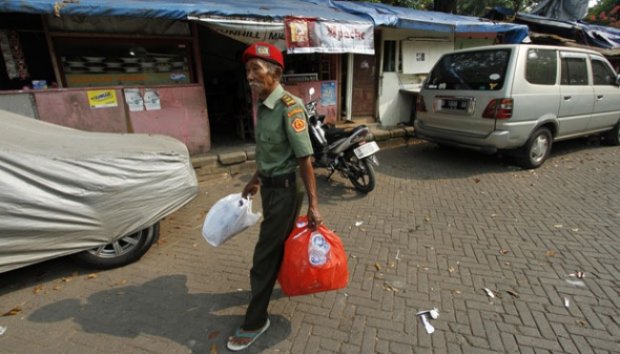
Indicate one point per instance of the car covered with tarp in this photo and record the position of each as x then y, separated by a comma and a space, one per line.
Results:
96, 196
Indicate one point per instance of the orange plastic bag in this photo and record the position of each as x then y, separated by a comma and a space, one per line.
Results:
314, 261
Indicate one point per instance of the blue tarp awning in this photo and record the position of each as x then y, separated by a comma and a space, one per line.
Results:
400, 17
272, 10
182, 9
581, 32
604, 37
593, 35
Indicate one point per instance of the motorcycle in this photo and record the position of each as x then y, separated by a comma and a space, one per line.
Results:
347, 152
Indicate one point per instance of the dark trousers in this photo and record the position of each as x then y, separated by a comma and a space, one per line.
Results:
281, 206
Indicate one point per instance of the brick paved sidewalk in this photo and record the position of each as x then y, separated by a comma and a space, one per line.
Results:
442, 225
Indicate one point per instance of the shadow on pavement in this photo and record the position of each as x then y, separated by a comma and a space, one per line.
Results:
163, 308
40, 273
429, 161
336, 190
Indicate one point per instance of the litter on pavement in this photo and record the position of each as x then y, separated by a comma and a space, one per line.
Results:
489, 292
578, 274
578, 282
14, 311
513, 293
424, 317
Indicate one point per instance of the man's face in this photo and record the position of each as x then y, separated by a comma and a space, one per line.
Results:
261, 81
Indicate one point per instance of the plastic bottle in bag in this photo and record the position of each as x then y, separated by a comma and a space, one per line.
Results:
318, 249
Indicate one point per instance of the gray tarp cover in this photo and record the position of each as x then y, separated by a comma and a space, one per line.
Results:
570, 10
63, 190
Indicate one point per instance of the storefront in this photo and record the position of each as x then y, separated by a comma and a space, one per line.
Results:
228, 95
154, 67
409, 42
316, 51
111, 74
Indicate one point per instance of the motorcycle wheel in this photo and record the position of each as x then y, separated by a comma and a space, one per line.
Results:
362, 174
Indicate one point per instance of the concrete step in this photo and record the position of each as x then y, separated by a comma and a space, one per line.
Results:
240, 159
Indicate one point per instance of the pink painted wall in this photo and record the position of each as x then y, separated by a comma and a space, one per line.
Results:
301, 90
183, 115
70, 108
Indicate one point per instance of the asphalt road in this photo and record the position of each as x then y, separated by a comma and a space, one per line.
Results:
441, 226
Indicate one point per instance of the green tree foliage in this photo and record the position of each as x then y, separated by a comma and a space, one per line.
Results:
414, 4
479, 8
606, 13
461, 7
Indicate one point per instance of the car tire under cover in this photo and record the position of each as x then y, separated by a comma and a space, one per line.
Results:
125, 250
612, 137
536, 150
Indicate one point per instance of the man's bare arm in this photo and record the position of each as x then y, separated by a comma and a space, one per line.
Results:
251, 187
307, 174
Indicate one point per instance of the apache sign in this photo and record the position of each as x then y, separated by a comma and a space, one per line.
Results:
299, 34
310, 35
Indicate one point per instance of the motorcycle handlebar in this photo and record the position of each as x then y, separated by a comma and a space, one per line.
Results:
311, 103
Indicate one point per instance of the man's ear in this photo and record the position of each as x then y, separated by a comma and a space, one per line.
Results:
278, 72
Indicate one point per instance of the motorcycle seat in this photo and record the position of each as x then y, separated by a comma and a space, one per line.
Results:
334, 134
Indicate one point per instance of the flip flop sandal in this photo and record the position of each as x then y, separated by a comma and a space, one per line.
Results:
252, 336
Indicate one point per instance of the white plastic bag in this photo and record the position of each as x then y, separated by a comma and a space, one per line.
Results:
228, 217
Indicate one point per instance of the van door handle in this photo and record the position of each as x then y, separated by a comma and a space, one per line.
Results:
599, 97
567, 98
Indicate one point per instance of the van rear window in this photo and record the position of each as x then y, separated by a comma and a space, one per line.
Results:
483, 70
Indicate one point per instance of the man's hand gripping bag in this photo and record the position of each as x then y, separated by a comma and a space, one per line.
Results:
314, 261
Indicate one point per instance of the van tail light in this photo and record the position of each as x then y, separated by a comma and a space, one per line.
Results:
420, 106
500, 108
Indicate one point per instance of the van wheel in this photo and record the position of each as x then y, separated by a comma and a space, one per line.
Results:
536, 149
612, 137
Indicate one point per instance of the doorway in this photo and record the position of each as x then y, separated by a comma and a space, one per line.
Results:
364, 87
229, 102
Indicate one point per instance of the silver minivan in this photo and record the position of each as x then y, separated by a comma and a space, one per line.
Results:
519, 98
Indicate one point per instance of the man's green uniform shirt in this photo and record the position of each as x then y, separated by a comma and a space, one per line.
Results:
281, 133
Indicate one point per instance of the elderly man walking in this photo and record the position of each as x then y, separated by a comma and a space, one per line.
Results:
283, 155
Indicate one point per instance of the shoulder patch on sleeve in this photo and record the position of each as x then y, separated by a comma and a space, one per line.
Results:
294, 112
299, 125
288, 100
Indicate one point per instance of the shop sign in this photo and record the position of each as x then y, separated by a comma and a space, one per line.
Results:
101, 98
311, 35
249, 31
